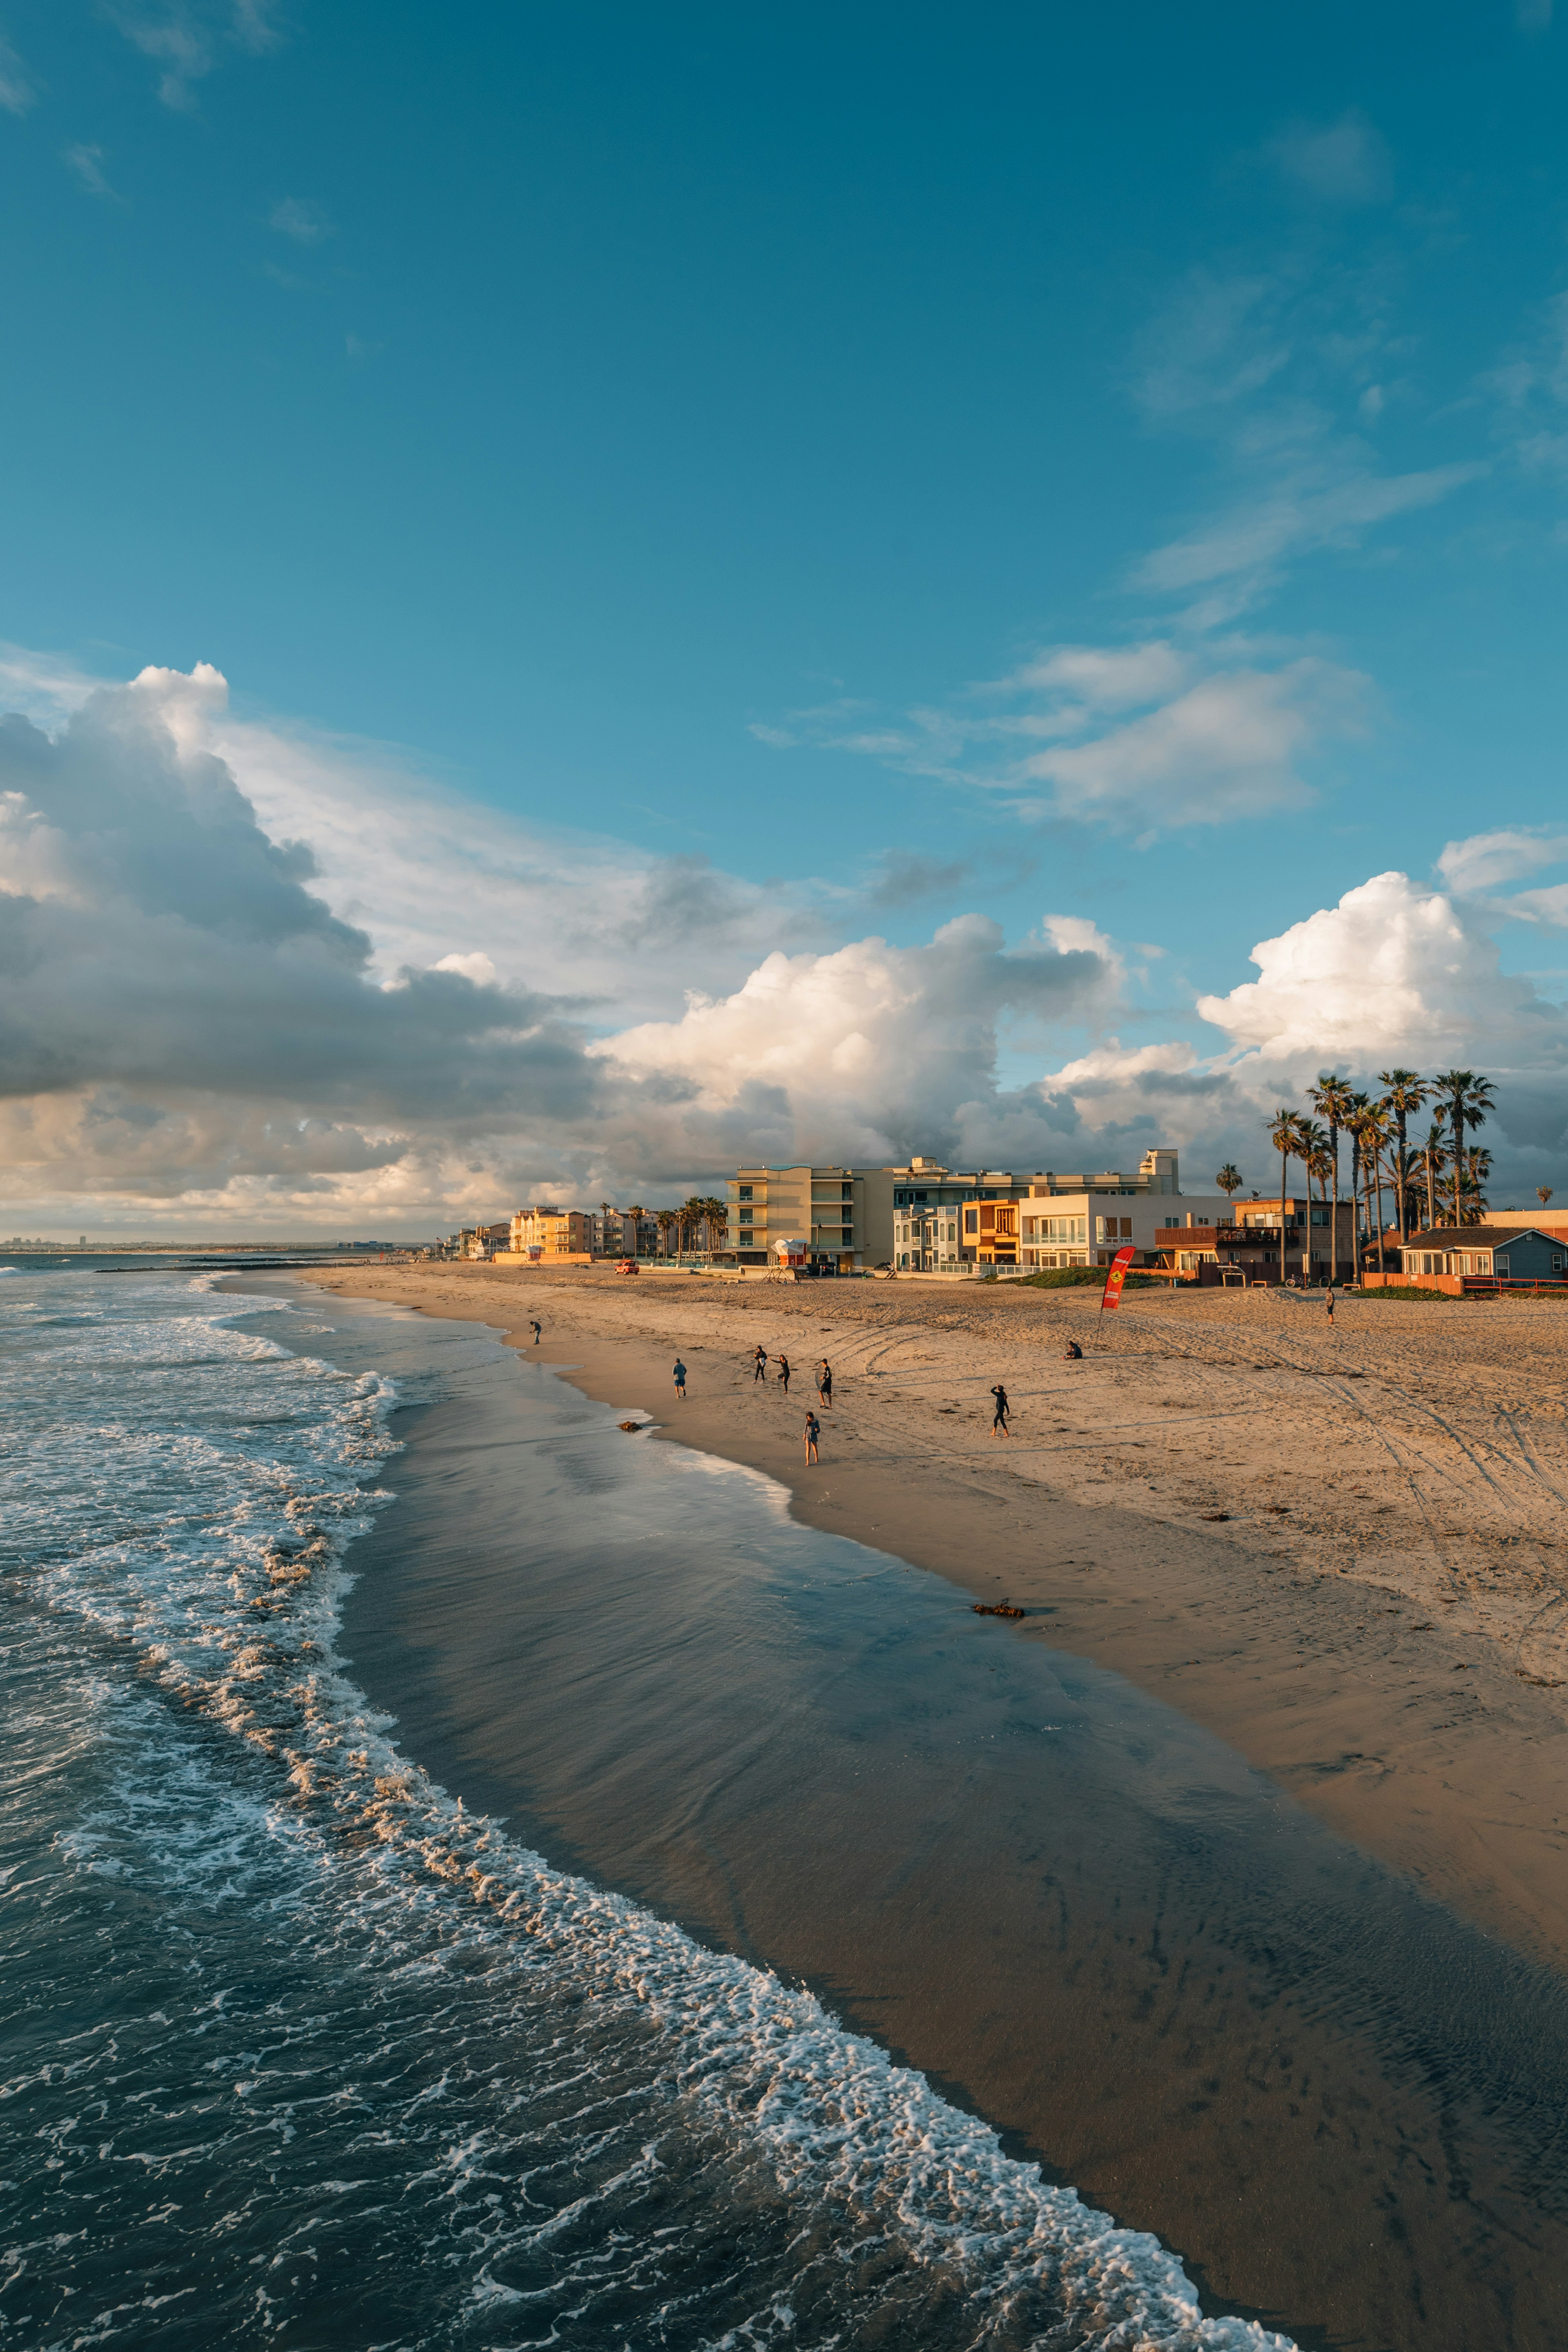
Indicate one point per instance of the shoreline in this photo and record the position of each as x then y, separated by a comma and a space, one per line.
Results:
1328, 1681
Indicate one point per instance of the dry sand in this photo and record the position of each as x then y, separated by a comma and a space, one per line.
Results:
1342, 1549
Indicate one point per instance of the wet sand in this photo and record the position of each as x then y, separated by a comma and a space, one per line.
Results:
1070, 1907
1342, 1551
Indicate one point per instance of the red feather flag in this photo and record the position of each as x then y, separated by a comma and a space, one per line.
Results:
1117, 1276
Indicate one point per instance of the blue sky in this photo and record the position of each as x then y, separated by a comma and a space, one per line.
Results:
1102, 466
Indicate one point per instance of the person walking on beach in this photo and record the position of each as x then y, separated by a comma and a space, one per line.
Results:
1328, 1302
783, 1364
539, 1329
999, 1420
813, 1430
680, 1379
759, 1365
825, 1384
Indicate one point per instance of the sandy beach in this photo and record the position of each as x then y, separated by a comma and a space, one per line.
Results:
1341, 1549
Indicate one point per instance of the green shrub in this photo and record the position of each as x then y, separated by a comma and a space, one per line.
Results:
1406, 1290
1082, 1277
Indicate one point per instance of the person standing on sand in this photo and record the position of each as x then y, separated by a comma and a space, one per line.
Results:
783, 1364
680, 1379
813, 1430
999, 1420
759, 1365
825, 1384
538, 1329
1328, 1302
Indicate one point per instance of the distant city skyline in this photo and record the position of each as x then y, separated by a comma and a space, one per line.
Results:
595, 601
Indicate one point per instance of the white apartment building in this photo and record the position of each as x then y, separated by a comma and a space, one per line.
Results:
925, 1241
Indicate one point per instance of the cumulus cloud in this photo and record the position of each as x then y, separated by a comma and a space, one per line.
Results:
876, 1047
185, 1020
1393, 974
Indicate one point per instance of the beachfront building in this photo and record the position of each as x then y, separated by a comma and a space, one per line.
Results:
925, 1240
843, 1216
546, 1235
1034, 1221
1240, 1246
624, 1235
1445, 1258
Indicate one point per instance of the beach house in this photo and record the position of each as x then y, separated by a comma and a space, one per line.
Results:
1445, 1258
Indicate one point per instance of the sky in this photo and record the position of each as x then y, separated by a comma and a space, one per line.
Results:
590, 596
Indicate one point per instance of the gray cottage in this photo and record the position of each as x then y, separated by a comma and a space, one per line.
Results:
1450, 1255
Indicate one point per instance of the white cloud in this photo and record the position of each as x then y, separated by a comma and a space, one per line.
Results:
16, 91
87, 162
1228, 746
1294, 520
1343, 162
872, 1046
295, 217
1483, 860
1220, 741
177, 40
1103, 677
1392, 974
194, 1034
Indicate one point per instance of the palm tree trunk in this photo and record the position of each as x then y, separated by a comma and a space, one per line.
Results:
1431, 1192
1459, 1162
1334, 1229
1284, 1166
1377, 1166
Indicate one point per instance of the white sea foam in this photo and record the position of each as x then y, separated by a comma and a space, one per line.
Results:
211, 1543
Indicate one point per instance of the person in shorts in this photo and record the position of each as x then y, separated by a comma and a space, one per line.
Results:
813, 1430
680, 1379
825, 1384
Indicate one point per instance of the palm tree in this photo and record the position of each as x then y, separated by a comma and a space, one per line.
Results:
1477, 1169
1369, 1126
1331, 1098
1230, 1181
1467, 1100
1285, 1135
636, 1213
1407, 1090
1543, 1193
1404, 1166
665, 1220
1434, 1152
1319, 1165
1311, 1148
715, 1216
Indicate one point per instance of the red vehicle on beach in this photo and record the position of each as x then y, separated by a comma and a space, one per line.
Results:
628, 1266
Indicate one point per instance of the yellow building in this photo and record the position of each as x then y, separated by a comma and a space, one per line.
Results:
551, 1236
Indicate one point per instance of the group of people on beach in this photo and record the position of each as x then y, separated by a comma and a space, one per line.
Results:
759, 1364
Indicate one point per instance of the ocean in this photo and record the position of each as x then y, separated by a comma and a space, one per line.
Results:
303, 2049
299, 2052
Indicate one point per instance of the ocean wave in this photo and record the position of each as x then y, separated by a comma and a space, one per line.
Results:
198, 1533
